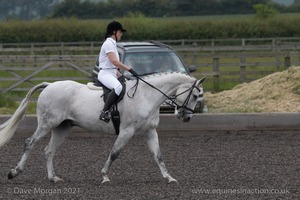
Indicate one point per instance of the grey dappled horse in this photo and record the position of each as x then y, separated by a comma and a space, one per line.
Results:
64, 104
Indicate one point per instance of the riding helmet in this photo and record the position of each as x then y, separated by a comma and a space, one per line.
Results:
114, 26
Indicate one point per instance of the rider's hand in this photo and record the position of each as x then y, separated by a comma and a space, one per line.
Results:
133, 72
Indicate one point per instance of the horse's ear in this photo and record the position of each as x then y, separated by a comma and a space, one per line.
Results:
199, 82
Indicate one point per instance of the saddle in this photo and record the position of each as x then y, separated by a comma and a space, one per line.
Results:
115, 115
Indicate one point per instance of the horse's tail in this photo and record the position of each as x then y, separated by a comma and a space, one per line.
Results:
8, 128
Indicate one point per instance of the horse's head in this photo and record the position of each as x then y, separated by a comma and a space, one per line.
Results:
186, 99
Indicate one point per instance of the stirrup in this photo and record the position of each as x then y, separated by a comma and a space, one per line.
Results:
104, 116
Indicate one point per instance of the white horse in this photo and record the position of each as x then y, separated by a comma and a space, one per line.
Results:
64, 104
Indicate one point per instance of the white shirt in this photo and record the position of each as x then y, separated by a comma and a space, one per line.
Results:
110, 45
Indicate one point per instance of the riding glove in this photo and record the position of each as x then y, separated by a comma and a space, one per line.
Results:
133, 72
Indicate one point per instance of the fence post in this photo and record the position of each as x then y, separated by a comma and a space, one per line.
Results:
92, 47
216, 73
213, 45
62, 48
242, 68
31, 48
243, 43
182, 42
273, 45
287, 61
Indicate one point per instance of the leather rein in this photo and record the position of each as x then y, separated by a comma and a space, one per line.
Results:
173, 100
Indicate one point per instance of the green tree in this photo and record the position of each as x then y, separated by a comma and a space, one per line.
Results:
154, 8
264, 11
25, 9
297, 2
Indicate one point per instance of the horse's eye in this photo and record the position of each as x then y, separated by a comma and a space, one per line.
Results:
196, 96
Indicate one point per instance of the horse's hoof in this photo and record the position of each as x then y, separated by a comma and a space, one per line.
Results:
172, 180
56, 179
105, 180
12, 174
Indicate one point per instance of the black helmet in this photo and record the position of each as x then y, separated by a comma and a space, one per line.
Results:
113, 26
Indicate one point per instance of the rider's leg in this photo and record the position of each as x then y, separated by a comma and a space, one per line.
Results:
111, 99
112, 83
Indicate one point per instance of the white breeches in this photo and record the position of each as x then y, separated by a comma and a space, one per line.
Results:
109, 78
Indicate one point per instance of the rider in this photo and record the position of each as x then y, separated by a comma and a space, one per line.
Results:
109, 64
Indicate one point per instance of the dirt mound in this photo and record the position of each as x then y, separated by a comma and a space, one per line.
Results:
277, 92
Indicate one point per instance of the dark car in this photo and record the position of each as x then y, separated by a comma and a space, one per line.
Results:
151, 57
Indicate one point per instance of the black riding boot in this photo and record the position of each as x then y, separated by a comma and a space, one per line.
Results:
111, 99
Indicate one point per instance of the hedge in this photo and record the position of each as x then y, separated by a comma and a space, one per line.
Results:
141, 28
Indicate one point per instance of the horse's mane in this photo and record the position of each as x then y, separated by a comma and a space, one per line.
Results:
163, 74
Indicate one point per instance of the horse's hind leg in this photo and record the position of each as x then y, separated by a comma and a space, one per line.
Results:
57, 138
153, 144
28, 146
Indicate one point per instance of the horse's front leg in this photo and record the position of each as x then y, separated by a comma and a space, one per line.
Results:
153, 144
120, 142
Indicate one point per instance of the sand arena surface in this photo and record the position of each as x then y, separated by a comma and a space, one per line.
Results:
208, 165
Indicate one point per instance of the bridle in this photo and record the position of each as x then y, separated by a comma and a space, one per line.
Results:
173, 103
184, 106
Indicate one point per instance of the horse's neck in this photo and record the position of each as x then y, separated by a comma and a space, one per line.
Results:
169, 83
149, 99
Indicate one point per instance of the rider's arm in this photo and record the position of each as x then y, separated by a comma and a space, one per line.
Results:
114, 60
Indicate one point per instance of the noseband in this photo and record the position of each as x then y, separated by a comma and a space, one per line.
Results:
173, 100
186, 101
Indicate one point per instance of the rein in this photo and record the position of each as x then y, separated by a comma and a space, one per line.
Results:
173, 100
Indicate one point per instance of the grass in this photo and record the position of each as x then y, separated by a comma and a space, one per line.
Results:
230, 70
31, 109
10, 100
7, 104
224, 83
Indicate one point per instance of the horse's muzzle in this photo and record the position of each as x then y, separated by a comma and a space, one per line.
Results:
184, 117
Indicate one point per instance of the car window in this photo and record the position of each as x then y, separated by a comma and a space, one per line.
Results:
154, 62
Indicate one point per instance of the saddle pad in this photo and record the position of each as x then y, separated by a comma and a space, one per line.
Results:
92, 86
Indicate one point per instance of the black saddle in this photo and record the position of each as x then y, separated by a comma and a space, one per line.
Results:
106, 91
115, 115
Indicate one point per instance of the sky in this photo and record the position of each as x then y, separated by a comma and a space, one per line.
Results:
285, 2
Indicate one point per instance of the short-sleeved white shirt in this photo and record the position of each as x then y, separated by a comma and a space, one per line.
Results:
110, 45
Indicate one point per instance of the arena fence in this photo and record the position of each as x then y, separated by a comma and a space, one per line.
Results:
23, 65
